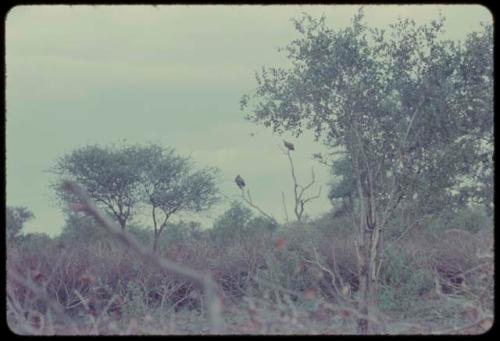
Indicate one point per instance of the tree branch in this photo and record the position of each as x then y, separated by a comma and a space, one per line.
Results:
299, 202
284, 206
250, 202
204, 281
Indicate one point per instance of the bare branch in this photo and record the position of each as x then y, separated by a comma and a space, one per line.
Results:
284, 206
250, 202
313, 197
332, 273
299, 202
313, 180
42, 294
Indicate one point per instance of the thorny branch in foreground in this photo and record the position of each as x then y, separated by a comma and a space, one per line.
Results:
203, 281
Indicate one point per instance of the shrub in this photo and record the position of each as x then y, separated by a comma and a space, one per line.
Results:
470, 219
404, 281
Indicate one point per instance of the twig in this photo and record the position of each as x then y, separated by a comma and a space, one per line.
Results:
42, 294
250, 202
299, 201
284, 206
334, 276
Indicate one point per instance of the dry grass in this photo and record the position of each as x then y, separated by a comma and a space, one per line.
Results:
296, 280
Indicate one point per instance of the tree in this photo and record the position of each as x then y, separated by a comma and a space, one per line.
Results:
169, 184
16, 217
238, 223
118, 179
81, 229
476, 102
109, 174
232, 223
410, 111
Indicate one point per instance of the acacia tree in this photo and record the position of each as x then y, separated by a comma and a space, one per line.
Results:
170, 185
109, 174
119, 179
410, 111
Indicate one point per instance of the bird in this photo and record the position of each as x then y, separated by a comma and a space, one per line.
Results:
239, 181
288, 145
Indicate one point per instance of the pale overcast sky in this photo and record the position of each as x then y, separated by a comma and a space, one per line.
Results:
173, 75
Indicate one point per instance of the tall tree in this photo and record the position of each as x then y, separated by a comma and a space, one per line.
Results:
408, 109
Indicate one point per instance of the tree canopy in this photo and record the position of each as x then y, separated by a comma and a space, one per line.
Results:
124, 179
413, 107
109, 174
170, 184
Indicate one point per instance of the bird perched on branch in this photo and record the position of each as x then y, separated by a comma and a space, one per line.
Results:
239, 181
288, 145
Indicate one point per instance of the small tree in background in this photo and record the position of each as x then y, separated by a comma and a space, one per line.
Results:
231, 224
169, 184
238, 223
16, 217
118, 179
81, 229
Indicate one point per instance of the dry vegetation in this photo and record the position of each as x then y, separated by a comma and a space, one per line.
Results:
295, 279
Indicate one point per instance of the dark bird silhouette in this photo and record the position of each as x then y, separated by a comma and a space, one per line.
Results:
289, 145
239, 181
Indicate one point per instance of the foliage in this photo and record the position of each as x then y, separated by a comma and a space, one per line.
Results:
81, 229
36, 241
238, 223
405, 281
109, 174
470, 219
122, 179
170, 184
374, 92
280, 276
15, 219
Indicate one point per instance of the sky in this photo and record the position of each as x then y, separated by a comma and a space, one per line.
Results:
171, 75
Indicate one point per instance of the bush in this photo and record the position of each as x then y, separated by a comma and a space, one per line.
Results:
470, 219
404, 281
249, 258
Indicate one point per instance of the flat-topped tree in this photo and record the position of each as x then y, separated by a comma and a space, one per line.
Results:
411, 111
118, 179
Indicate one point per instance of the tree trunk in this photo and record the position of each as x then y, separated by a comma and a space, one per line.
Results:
367, 245
122, 223
155, 242
367, 250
